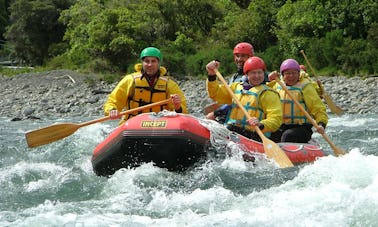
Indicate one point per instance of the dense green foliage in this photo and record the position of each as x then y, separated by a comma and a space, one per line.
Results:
34, 32
4, 14
339, 37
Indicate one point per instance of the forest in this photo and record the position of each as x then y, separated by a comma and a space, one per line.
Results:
106, 36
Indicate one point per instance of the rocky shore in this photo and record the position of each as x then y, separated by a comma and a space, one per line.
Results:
64, 93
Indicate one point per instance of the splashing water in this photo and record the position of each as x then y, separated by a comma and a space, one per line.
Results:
54, 185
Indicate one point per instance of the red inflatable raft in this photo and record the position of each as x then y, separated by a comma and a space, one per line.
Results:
176, 142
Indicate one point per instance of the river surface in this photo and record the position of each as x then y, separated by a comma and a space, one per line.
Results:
54, 184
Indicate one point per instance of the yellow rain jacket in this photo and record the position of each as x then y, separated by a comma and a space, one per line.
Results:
303, 76
260, 101
134, 91
307, 96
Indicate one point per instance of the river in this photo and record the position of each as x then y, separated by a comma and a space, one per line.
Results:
54, 184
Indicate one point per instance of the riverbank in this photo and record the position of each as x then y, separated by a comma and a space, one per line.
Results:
65, 93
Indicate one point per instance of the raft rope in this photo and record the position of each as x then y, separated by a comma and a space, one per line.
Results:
165, 113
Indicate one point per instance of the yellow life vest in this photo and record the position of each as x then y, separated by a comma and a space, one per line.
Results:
291, 113
250, 100
144, 94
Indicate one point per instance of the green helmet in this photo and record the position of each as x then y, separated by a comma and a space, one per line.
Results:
151, 52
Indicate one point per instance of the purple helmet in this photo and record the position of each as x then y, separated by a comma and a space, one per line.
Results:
289, 64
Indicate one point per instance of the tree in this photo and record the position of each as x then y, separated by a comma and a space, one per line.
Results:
243, 4
334, 31
254, 24
34, 27
354, 17
111, 33
117, 31
297, 23
4, 18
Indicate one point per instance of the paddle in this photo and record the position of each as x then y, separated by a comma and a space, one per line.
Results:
271, 149
59, 131
211, 107
336, 150
332, 106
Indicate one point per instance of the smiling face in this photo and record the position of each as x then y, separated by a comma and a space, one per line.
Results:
240, 60
150, 65
255, 77
291, 76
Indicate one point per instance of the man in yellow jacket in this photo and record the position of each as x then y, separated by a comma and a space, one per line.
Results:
296, 127
148, 84
242, 51
261, 102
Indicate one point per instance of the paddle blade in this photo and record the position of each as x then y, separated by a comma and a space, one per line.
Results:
273, 151
50, 134
332, 106
336, 150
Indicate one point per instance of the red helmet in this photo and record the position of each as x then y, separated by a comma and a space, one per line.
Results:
243, 48
302, 67
253, 63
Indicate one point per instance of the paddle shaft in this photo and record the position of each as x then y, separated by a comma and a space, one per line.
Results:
337, 150
160, 103
309, 64
272, 150
59, 131
313, 72
334, 108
